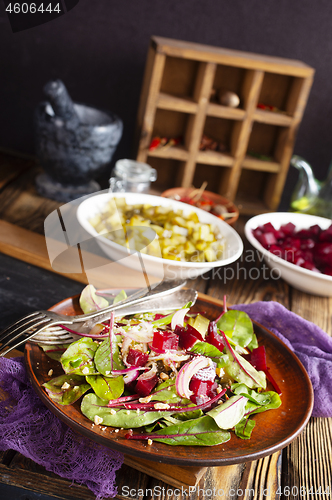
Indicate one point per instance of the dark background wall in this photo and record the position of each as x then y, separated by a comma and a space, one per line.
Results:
99, 48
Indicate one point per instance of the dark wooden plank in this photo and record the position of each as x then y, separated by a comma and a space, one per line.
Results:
25, 473
20, 203
307, 469
12, 166
172, 474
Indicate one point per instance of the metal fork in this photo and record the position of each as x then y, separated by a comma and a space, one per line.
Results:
57, 335
17, 333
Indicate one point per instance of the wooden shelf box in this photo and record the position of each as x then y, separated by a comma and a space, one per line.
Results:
178, 99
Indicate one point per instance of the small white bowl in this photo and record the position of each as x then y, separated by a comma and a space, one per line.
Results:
299, 277
157, 266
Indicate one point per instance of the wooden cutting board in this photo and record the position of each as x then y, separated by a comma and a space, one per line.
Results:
103, 273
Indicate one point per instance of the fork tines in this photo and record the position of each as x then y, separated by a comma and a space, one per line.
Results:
17, 333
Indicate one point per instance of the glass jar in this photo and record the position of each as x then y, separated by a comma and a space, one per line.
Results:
132, 176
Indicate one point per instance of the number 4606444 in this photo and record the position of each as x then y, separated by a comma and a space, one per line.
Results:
32, 8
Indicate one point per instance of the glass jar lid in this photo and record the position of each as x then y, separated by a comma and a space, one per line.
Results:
134, 171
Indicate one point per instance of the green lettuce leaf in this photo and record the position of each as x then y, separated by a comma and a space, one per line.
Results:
274, 403
228, 414
206, 350
66, 389
261, 398
201, 431
90, 301
102, 357
78, 358
106, 387
238, 326
244, 428
93, 406
120, 297
54, 351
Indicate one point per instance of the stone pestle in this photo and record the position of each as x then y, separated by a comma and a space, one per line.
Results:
60, 101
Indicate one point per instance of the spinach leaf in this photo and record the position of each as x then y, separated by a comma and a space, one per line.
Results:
90, 301
202, 431
244, 428
238, 326
103, 357
66, 389
261, 398
54, 351
274, 403
120, 296
166, 392
228, 414
106, 387
93, 406
206, 350
78, 358
239, 369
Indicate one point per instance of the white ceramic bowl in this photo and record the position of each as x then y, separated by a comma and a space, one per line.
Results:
300, 278
157, 266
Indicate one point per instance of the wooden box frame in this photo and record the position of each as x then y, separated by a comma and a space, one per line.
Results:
180, 78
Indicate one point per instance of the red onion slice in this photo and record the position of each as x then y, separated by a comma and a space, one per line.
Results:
187, 372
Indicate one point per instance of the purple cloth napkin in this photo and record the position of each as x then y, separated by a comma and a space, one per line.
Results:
310, 344
27, 426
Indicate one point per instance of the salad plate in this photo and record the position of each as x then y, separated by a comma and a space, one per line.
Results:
274, 429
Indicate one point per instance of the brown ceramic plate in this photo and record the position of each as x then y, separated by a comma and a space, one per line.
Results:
274, 429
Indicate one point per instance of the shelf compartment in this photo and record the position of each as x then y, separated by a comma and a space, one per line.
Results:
272, 118
228, 78
174, 152
251, 188
170, 124
275, 90
208, 173
179, 77
264, 140
251, 163
173, 103
222, 131
220, 111
167, 172
215, 158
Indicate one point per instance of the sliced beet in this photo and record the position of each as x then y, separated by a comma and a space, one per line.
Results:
268, 228
214, 338
288, 228
323, 254
144, 386
276, 250
326, 235
308, 248
267, 239
307, 244
201, 390
310, 266
258, 358
165, 340
136, 357
187, 336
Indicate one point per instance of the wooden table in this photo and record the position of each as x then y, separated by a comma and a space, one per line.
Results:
305, 463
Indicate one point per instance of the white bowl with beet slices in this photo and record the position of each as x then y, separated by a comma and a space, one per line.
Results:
298, 247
